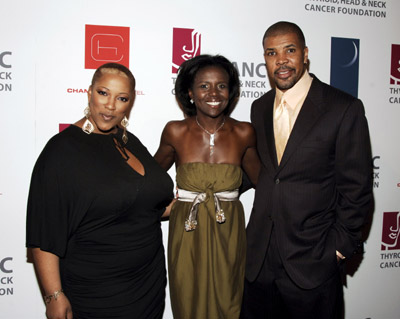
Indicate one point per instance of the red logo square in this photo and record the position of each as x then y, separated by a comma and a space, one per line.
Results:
391, 231
105, 44
395, 67
186, 45
62, 126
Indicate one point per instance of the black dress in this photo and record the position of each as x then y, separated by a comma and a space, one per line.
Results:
102, 218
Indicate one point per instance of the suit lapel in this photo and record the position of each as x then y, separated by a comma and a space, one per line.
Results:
311, 110
269, 157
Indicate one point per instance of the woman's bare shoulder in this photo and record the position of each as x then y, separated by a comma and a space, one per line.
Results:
242, 127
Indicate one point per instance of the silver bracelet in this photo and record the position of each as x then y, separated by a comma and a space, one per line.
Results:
47, 299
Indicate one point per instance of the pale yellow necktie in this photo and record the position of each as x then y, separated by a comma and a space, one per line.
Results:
282, 128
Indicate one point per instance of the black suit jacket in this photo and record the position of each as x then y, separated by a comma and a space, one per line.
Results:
319, 196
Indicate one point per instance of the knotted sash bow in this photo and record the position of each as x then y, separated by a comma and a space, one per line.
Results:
198, 198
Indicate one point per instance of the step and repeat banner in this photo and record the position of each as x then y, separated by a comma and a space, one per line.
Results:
48, 53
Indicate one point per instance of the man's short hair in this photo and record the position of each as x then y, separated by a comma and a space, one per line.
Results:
284, 27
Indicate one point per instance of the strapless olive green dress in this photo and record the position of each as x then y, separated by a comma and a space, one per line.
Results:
206, 265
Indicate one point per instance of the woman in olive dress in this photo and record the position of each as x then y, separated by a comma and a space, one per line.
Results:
207, 242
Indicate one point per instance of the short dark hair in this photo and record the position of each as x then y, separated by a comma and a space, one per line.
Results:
284, 27
115, 68
187, 73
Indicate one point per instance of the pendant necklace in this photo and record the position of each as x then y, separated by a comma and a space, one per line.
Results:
212, 136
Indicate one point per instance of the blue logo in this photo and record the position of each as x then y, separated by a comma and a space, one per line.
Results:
345, 56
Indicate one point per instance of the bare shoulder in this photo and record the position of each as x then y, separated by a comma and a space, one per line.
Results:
242, 128
176, 124
176, 127
243, 132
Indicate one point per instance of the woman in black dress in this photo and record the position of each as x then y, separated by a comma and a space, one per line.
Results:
94, 209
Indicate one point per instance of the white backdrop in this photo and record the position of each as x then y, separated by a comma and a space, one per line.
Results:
43, 78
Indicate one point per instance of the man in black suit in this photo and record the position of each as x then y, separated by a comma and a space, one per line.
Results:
314, 190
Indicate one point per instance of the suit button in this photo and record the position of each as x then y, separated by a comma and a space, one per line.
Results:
277, 181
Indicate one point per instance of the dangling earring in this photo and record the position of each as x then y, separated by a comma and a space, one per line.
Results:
125, 124
191, 101
87, 127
